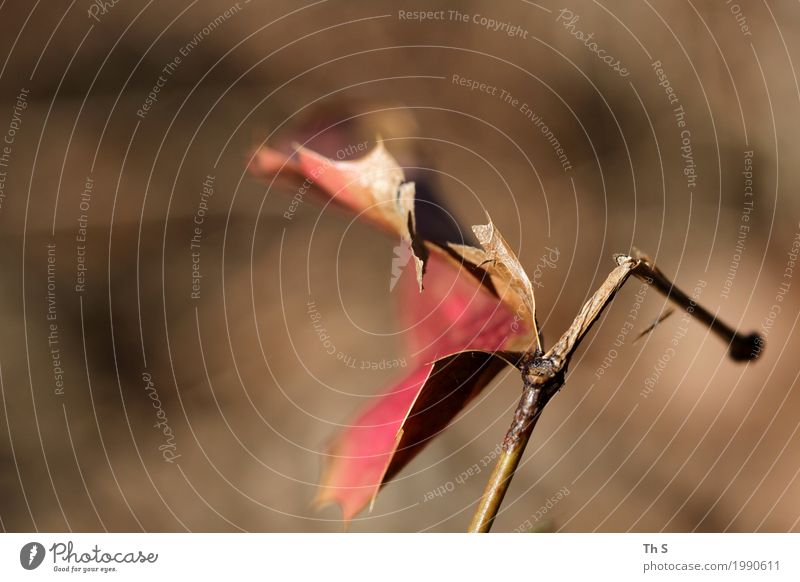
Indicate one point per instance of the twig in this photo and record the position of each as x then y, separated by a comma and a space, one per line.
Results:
536, 394
543, 374
740, 347
658, 321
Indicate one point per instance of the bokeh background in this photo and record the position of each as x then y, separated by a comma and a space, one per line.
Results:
695, 443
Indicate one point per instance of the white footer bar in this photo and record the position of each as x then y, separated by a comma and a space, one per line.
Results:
402, 557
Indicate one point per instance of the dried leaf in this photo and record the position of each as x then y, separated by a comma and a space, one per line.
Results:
561, 352
509, 278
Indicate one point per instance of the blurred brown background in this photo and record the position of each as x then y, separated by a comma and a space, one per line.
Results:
242, 380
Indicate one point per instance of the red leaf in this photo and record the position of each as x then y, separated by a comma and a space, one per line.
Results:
451, 326
452, 329
373, 187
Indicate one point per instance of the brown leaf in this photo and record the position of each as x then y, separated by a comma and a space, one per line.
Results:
510, 280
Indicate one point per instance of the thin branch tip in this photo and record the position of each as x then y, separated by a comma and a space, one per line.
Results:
543, 375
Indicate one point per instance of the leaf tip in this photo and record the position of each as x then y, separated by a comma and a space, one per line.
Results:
327, 497
484, 232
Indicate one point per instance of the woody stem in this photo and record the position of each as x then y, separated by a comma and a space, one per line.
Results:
540, 383
543, 374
